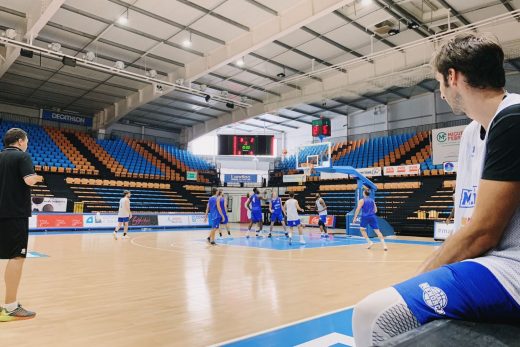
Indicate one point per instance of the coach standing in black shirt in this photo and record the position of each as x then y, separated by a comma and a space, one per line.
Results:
16, 177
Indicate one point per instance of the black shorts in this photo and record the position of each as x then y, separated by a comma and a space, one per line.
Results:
14, 236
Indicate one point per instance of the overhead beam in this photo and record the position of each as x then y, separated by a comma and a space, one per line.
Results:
278, 114
276, 123
286, 67
36, 18
509, 8
455, 12
398, 13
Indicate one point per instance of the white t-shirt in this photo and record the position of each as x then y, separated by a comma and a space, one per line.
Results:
290, 208
503, 260
123, 211
319, 207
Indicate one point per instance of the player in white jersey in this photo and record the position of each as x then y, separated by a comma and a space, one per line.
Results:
321, 208
290, 209
123, 214
474, 274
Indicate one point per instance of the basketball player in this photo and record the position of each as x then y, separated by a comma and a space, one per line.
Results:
368, 208
215, 215
124, 214
248, 215
16, 177
277, 214
223, 208
255, 205
321, 208
291, 208
474, 274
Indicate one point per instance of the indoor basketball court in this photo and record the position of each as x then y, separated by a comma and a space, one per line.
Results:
179, 148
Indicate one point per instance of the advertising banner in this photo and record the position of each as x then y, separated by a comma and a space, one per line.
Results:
370, 171
198, 220
313, 220
174, 220
45, 204
402, 170
294, 178
100, 220
144, 220
62, 117
441, 230
445, 144
240, 178
59, 221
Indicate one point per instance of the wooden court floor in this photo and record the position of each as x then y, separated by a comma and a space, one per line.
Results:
172, 289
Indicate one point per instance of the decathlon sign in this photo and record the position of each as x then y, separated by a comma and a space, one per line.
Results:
240, 178
66, 118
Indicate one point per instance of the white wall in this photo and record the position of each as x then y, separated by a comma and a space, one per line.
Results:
20, 110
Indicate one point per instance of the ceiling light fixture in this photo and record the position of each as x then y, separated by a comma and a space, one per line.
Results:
151, 73
413, 25
187, 42
207, 98
366, 2
230, 105
56, 47
89, 56
119, 65
123, 20
240, 62
393, 32
281, 74
10, 33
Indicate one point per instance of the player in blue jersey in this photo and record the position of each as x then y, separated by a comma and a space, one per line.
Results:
255, 205
215, 215
223, 207
368, 217
277, 214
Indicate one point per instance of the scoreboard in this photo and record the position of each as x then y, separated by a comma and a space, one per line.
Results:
321, 127
246, 145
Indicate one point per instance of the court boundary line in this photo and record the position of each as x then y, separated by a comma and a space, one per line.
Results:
283, 326
181, 250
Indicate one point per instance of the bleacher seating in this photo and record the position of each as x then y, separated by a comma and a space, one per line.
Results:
43, 150
191, 161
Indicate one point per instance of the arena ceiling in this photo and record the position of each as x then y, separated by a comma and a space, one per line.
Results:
291, 60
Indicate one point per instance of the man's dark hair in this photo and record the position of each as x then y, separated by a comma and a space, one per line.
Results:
214, 191
13, 135
255, 190
366, 192
126, 192
477, 57
291, 194
318, 195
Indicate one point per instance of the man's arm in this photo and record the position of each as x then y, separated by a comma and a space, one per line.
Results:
127, 206
219, 209
485, 228
322, 202
32, 180
271, 206
248, 204
298, 206
207, 211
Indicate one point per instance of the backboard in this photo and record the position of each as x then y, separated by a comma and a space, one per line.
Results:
316, 155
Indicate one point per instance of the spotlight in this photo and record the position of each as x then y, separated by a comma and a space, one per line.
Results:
119, 65
230, 105
393, 32
240, 62
366, 2
151, 73
68, 61
10, 33
413, 25
281, 75
26, 53
89, 56
207, 98
56, 47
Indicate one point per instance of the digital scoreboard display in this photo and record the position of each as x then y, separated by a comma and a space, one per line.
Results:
246, 145
321, 127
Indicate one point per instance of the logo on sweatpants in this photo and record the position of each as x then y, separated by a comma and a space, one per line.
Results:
434, 297
23, 251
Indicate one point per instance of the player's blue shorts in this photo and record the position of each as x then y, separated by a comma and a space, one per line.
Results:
277, 217
215, 222
225, 220
465, 290
369, 220
256, 216
123, 219
323, 218
293, 223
